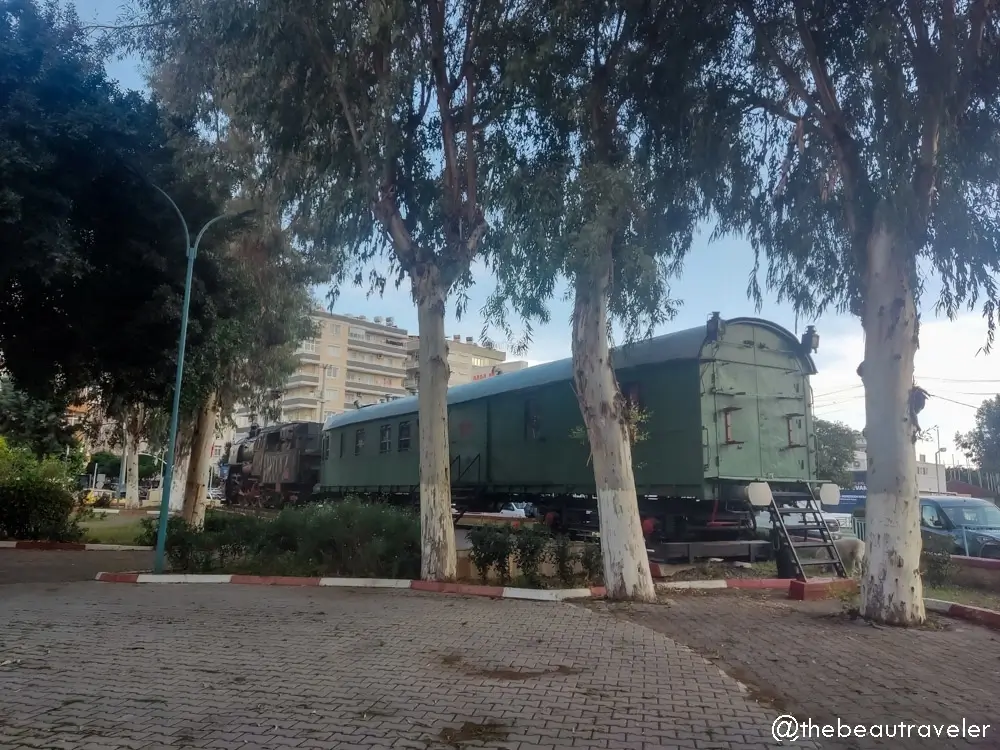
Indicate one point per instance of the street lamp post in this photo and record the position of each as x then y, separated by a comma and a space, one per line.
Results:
192, 253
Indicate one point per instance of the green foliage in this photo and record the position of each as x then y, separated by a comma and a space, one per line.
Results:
491, 548
78, 216
835, 443
359, 124
837, 119
592, 561
35, 509
981, 445
564, 559
38, 424
937, 567
349, 538
530, 546
599, 195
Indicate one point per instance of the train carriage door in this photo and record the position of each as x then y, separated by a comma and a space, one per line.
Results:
735, 414
782, 389
467, 441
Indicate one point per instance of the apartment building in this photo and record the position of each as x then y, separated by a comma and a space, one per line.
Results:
352, 362
931, 476
467, 359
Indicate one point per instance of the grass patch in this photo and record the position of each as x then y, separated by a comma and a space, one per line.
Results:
714, 571
112, 529
962, 595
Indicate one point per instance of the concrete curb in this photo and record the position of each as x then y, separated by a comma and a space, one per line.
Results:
494, 592
75, 546
987, 617
728, 583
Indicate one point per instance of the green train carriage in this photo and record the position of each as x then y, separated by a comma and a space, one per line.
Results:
728, 404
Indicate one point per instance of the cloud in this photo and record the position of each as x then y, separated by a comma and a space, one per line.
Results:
949, 366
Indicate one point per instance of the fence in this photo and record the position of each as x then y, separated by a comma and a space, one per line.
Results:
859, 528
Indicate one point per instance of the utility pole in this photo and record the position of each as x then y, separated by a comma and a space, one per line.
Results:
192, 252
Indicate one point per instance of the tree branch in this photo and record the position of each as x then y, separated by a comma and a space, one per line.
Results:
792, 79
979, 11
435, 10
818, 66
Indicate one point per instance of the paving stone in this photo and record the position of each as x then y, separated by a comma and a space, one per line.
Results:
118, 667
809, 660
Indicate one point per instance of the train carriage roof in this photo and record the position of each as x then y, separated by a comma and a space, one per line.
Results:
680, 345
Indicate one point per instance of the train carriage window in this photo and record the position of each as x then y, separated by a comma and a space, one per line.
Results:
341, 445
404, 437
359, 441
326, 447
385, 438
532, 420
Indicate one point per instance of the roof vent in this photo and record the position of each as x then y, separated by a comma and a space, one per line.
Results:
468, 339
390, 322
362, 317
457, 338
378, 319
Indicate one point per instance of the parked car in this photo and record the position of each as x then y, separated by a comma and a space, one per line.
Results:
834, 524
969, 525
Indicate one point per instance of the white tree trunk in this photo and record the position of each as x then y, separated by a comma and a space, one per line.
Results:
178, 483
623, 547
133, 436
437, 559
196, 487
891, 587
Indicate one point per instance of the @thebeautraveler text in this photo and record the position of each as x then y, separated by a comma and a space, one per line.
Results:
787, 728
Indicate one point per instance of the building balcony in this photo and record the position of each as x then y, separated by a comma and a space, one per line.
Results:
299, 402
299, 380
356, 364
376, 346
375, 390
304, 356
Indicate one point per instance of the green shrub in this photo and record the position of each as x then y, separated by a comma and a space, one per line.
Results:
491, 548
531, 543
564, 559
348, 538
33, 508
592, 562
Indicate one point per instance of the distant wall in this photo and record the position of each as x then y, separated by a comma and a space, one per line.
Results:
977, 572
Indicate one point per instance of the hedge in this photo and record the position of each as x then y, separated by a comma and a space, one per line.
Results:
37, 510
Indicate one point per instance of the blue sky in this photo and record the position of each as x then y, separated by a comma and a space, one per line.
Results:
714, 278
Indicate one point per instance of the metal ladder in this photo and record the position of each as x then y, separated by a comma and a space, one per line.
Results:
784, 504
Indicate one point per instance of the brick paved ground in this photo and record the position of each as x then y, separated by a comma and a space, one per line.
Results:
52, 566
810, 660
142, 667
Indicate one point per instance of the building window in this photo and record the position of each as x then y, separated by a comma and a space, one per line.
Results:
385, 438
309, 346
216, 451
336, 330
359, 442
332, 371
356, 333
404, 436
334, 351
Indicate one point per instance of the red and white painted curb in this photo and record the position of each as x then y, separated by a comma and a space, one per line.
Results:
495, 592
76, 546
988, 617
728, 583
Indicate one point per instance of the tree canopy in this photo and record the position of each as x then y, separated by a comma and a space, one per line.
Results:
93, 262
835, 448
38, 425
982, 443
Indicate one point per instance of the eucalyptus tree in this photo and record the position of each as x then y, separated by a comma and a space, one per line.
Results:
374, 119
610, 203
865, 139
